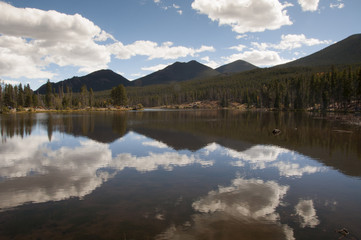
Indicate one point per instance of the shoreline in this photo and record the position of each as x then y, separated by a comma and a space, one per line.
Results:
207, 105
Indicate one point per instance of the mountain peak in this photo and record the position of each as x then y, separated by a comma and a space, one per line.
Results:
236, 67
100, 80
177, 72
346, 51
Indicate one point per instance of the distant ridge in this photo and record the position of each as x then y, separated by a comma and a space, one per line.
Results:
98, 81
177, 72
236, 67
347, 51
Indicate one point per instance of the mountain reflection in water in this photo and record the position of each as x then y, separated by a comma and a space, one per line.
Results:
177, 175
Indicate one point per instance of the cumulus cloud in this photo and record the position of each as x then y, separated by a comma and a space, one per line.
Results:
288, 169
258, 57
152, 50
32, 171
292, 41
268, 54
264, 156
258, 153
153, 161
307, 212
250, 198
309, 5
36, 173
246, 15
31, 39
245, 208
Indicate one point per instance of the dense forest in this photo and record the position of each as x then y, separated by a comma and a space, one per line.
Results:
292, 88
277, 88
20, 98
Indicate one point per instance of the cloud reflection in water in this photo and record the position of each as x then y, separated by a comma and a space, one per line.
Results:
306, 211
265, 156
33, 171
41, 171
244, 210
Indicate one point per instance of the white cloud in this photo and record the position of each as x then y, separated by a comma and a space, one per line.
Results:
292, 41
59, 174
245, 15
12, 82
338, 5
152, 50
288, 169
47, 25
180, 12
258, 153
239, 47
307, 212
45, 174
155, 68
241, 36
309, 5
258, 58
137, 75
210, 63
245, 208
155, 144
31, 39
153, 161
264, 54
250, 198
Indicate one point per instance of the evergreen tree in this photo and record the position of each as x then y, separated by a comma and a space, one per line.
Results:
91, 97
28, 96
20, 96
119, 96
48, 94
287, 101
277, 99
84, 96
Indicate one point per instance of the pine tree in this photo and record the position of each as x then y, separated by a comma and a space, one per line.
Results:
84, 96
287, 101
119, 96
48, 94
91, 97
28, 96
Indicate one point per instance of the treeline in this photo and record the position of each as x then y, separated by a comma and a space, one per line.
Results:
290, 88
19, 97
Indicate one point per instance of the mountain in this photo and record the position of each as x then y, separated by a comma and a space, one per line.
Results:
98, 81
347, 51
177, 72
236, 67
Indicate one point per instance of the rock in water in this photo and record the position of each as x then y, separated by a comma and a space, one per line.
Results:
276, 131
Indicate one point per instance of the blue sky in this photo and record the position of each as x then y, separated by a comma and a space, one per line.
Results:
56, 40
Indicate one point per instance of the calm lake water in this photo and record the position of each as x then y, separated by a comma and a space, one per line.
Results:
178, 175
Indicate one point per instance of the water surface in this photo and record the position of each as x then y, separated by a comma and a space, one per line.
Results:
178, 175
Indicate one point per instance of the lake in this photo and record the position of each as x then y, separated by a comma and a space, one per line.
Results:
196, 174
